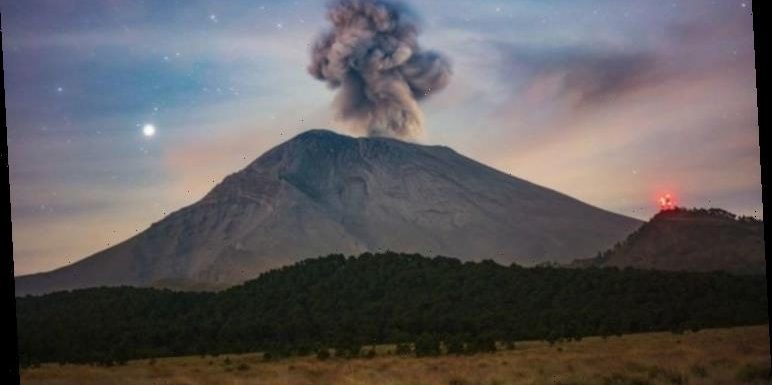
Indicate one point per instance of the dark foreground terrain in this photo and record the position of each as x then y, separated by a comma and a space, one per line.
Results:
715, 356
346, 304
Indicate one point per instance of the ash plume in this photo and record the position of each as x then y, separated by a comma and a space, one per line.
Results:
372, 55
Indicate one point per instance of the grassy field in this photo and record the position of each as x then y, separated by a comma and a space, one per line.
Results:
717, 356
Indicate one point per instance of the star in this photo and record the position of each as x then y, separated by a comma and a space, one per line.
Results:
148, 130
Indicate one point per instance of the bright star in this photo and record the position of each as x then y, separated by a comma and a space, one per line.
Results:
148, 130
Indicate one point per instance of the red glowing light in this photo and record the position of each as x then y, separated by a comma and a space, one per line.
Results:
666, 202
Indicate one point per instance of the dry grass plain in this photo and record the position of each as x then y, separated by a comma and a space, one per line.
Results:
717, 356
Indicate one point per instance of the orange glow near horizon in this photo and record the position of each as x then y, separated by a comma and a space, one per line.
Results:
666, 202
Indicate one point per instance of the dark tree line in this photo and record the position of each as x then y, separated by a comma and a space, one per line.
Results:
338, 304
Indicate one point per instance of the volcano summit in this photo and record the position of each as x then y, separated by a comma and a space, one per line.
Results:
322, 193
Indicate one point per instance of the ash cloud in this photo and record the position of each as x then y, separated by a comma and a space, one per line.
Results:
371, 55
594, 76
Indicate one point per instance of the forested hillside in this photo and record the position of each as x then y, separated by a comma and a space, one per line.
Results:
683, 239
347, 302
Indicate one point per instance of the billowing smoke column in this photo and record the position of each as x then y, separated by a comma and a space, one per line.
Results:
372, 55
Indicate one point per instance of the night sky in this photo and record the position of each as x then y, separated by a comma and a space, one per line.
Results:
614, 103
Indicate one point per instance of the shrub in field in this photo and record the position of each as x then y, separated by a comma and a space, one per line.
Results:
323, 354
455, 346
348, 350
699, 371
403, 349
481, 344
753, 373
427, 345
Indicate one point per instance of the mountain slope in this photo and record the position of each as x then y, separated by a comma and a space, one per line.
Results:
321, 193
695, 240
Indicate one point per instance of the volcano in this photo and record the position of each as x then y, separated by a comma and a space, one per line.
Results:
323, 193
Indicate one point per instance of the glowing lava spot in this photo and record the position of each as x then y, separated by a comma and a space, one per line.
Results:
666, 202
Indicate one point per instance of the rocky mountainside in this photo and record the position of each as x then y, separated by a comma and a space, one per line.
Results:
322, 193
693, 240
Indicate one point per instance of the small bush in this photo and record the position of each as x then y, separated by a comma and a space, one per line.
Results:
242, 367
455, 346
751, 373
348, 351
323, 354
677, 378
620, 379
699, 371
404, 349
427, 345
107, 363
667, 375
303, 350
481, 344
